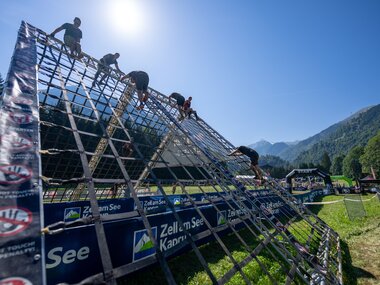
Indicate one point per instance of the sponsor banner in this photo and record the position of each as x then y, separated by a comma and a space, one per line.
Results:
74, 255
70, 211
21, 252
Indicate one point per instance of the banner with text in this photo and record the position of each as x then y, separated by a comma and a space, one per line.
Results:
21, 248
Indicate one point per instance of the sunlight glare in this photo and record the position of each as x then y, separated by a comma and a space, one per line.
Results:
126, 17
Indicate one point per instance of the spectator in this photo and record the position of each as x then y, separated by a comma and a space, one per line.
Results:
71, 37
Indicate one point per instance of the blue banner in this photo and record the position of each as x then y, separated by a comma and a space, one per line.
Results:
70, 211
73, 255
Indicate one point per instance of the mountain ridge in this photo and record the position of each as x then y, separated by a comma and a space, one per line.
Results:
335, 139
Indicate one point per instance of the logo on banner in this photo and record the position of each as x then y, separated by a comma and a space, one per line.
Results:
280, 226
22, 101
221, 218
142, 245
71, 214
21, 118
15, 281
14, 174
177, 201
14, 220
267, 211
15, 143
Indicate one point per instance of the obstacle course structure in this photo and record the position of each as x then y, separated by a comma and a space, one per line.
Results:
94, 146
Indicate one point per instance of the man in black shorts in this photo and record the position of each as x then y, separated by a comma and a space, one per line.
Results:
188, 110
72, 36
180, 101
254, 157
104, 66
141, 81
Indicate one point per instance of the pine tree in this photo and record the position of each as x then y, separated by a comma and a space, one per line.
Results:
337, 165
371, 156
325, 162
351, 165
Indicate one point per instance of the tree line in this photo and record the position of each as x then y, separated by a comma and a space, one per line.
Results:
358, 162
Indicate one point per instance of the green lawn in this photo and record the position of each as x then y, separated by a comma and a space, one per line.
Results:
360, 241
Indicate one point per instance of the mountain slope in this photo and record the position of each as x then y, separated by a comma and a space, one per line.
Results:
264, 147
293, 152
354, 131
336, 139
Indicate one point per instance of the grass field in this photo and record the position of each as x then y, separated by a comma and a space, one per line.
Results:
360, 241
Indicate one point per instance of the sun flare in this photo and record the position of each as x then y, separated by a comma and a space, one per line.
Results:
126, 17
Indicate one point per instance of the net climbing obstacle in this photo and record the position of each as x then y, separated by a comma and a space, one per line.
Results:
77, 157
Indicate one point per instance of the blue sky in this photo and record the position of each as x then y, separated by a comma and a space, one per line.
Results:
261, 69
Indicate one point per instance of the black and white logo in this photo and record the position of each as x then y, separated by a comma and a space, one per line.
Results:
15, 143
14, 174
14, 220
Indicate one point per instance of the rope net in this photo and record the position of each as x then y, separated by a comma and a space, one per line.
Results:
96, 145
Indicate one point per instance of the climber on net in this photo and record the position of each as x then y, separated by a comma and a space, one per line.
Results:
104, 66
127, 149
188, 110
141, 81
71, 37
253, 156
180, 101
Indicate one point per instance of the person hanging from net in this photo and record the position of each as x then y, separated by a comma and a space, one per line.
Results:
253, 156
127, 149
72, 37
141, 81
180, 101
188, 110
104, 66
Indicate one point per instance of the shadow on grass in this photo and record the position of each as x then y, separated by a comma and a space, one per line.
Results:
186, 266
349, 276
350, 272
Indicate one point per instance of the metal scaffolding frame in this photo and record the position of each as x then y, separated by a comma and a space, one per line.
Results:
84, 131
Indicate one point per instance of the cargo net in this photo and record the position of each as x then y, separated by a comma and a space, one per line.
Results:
96, 145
